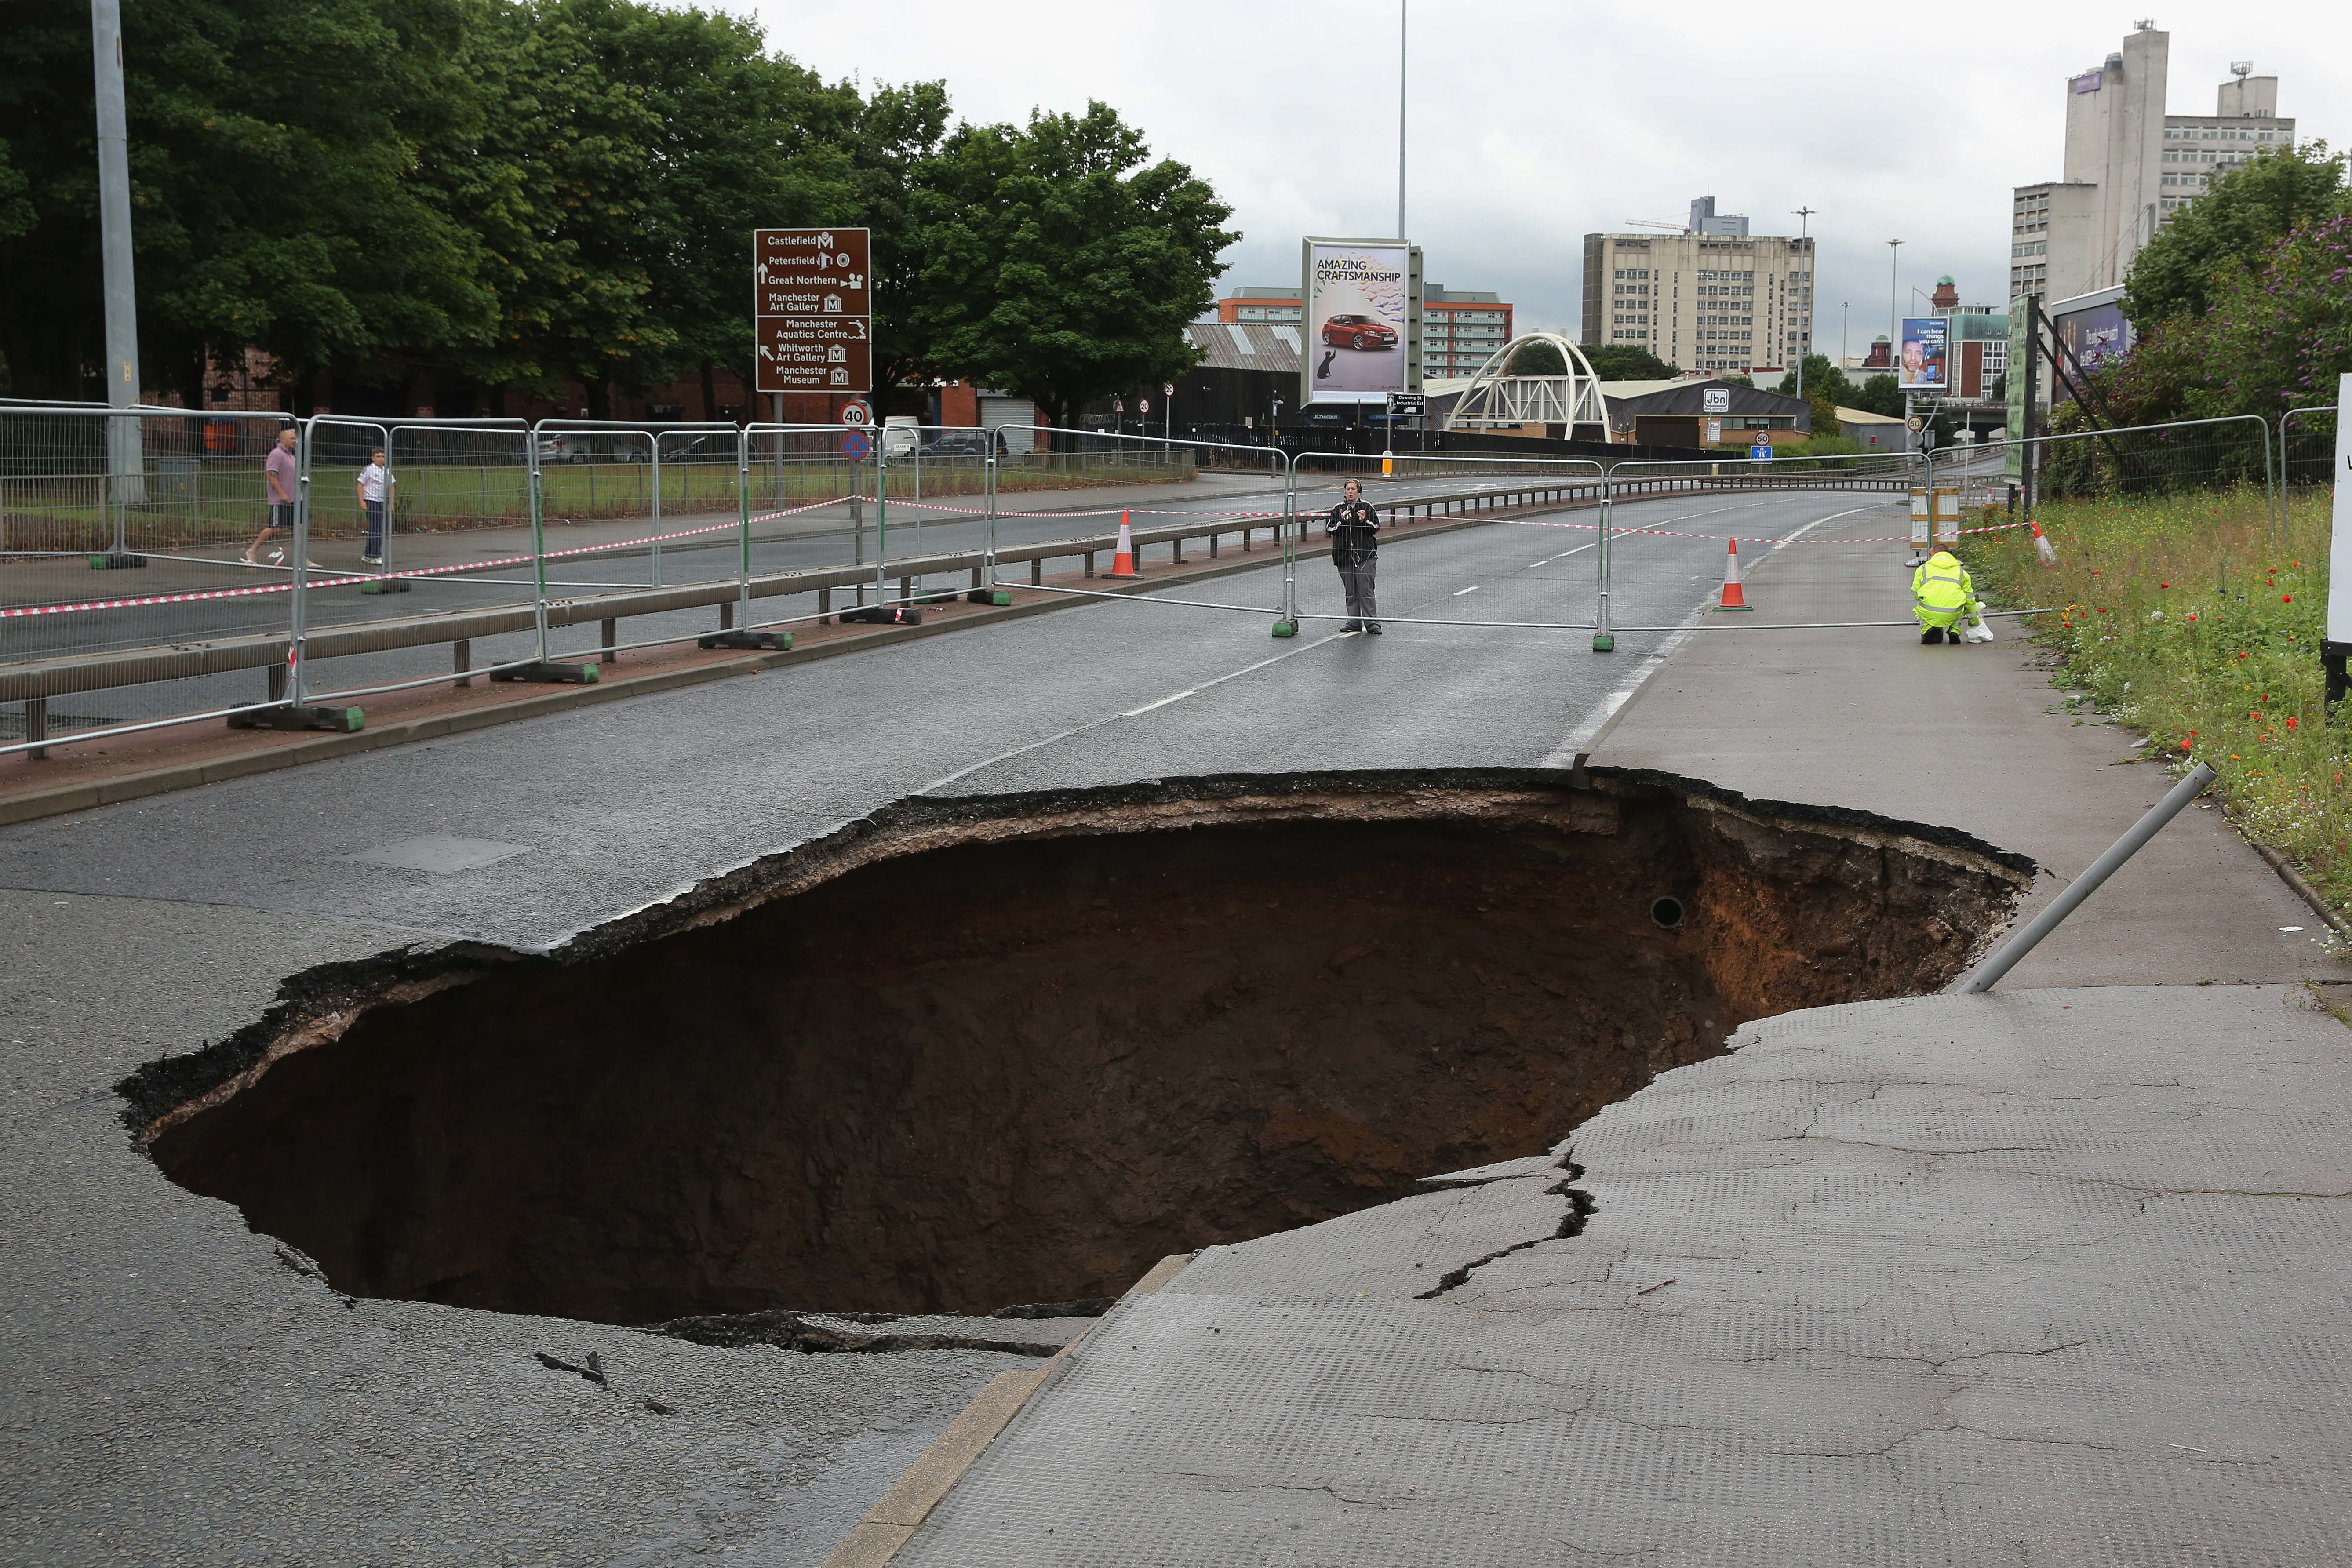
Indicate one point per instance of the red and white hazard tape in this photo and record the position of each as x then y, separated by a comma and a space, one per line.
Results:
197, 596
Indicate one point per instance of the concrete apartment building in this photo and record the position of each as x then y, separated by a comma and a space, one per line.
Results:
1459, 329
1714, 298
2129, 166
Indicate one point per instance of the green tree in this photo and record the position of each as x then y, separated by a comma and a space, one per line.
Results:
2277, 334
898, 132
1624, 361
273, 145
1060, 264
1879, 394
733, 140
1538, 358
1822, 377
2244, 214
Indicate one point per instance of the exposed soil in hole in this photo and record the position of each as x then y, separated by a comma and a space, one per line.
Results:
967, 1053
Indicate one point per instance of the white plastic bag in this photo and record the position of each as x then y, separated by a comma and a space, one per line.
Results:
1975, 630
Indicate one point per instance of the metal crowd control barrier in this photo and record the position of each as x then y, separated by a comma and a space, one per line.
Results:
536, 533
1429, 569
176, 497
2142, 460
1725, 537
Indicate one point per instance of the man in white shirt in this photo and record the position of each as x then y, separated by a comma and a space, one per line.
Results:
375, 485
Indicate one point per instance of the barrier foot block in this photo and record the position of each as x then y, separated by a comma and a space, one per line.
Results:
883, 616
1000, 597
1285, 628
1603, 642
342, 720
779, 640
550, 674
386, 585
116, 560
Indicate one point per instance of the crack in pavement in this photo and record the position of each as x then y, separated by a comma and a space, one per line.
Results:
1581, 1209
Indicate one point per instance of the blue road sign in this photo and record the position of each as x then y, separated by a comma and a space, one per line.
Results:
1760, 452
855, 445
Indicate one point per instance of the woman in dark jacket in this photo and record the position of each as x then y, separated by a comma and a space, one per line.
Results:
1354, 530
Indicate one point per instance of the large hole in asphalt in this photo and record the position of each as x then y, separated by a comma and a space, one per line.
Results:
971, 1053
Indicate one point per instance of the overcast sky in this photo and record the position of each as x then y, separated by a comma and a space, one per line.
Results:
1533, 124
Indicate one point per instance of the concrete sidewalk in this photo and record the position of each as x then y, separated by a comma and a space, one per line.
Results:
2055, 1277
2047, 1276
1976, 738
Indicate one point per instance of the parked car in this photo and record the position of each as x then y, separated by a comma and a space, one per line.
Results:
708, 448
965, 444
1358, 332
575, 447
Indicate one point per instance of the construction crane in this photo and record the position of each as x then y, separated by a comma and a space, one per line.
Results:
1655, 223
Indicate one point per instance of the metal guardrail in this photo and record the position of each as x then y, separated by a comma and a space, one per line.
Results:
40, 679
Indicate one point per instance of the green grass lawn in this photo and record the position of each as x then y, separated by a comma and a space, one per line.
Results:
2188, 618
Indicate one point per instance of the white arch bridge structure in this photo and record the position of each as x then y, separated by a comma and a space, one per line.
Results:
1495, 399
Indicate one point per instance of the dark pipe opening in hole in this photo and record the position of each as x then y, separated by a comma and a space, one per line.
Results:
982, 1053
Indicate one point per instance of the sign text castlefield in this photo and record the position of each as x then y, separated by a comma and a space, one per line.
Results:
812, 310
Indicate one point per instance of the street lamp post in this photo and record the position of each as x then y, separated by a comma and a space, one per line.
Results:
126, 464
1894, 323
1894, 312
1805, 336
1401, 42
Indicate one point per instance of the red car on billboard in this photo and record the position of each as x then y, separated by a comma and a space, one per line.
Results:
1358, 332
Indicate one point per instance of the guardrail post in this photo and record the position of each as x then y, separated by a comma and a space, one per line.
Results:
1287, 530
1603, 641
735, 615
655, 567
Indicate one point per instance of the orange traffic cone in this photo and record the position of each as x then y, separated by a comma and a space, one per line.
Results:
1733, 599
1123, 564
2041, 545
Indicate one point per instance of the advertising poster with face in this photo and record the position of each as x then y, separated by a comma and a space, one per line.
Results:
1359, 304
1926, 354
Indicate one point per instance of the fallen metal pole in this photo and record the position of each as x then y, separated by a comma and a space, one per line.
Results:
1988, 974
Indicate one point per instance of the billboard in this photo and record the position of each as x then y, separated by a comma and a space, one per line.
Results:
812, 310
2097, 334
1924, 361
1363, 322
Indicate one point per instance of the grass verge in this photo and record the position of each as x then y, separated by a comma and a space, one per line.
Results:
2190, 619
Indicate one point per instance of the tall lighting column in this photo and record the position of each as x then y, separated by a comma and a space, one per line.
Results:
1401, 43
1805, 335
127, 461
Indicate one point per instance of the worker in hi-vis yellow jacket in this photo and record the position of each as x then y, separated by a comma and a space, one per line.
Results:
1942, 595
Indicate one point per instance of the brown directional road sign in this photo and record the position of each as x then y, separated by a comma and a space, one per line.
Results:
812, 310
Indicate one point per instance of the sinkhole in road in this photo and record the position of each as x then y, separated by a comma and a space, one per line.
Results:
966, 1053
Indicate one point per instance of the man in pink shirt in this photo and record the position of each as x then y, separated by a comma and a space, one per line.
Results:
280, 478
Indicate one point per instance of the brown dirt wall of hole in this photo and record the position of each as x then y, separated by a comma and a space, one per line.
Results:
967, 1054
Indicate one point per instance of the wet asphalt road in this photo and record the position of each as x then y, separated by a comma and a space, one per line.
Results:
177, 1392
616, 805
787, 542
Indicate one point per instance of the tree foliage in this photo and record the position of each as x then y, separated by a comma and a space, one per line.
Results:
526, 194
1624, 361
2235, 221
1537, 358
1059, 263
2243, 303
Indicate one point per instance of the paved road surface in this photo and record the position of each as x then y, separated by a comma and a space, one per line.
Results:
623, 803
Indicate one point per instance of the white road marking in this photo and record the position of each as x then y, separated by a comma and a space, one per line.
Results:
1161, 703
1471, 589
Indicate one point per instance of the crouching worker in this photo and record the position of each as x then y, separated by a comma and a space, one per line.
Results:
1942, 596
